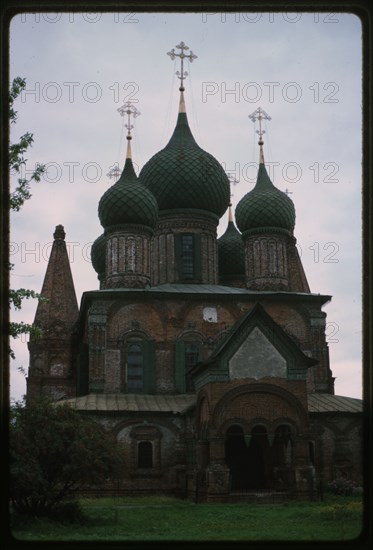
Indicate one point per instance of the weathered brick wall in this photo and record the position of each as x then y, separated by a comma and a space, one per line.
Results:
128, 258
201, 318
51, 370
266, 263
339, 446
166, 432
163, 252
225, 399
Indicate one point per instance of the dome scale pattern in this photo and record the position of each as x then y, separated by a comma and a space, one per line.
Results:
231, 252
128, 202
98, 254
265, 207
182, 175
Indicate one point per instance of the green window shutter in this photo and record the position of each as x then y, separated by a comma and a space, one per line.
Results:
149, 365
180, 367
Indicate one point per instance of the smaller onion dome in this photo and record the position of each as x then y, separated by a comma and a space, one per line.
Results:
265, 208
128, 201
98, 254
231, 251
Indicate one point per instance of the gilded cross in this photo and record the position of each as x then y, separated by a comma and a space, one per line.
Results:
259, 114
129, 110
183, 48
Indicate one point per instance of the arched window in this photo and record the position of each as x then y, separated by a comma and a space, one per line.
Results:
145, 454
135, 369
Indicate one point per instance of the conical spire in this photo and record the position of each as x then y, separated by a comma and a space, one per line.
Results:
61, 307
182, 108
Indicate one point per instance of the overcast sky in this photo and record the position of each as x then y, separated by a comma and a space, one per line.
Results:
304, 70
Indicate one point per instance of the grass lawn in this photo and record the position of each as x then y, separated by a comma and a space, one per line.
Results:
162, 518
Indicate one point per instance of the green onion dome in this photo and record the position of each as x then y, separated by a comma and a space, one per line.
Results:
182, 175
265, 208
128, 201
98, 254
231, 252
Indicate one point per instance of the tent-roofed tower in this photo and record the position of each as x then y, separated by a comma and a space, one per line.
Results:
266, 218
192, 191
51, 365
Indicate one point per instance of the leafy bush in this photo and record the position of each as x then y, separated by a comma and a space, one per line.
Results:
341, 486
68, 512
54, 452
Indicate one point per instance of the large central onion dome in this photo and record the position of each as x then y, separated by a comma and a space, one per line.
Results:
265, 208
128, 202
182, 175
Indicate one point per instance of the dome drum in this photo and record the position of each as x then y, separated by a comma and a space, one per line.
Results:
266, 257
127, 258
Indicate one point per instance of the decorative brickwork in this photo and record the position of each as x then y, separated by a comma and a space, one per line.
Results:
51, 362
167, 248
127, 258
206, 358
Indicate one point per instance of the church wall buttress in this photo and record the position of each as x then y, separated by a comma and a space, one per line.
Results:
322, 374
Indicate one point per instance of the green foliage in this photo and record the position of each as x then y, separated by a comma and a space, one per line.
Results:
18, 196
161, 519
17, 151
341, 486
54, 451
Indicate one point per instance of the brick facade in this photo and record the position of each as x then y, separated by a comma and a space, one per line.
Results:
216, 385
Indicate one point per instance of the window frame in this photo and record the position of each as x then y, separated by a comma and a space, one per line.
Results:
194, 257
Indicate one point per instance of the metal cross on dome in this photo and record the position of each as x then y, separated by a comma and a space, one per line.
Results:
259, 114
182, 74
114, 172
129, 110
232, 179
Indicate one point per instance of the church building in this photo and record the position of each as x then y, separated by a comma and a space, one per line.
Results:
205, 356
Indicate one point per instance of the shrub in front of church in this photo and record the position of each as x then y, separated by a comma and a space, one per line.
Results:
55, 452
341, 487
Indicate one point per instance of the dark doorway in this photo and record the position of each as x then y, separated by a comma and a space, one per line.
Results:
236, 457
248, 458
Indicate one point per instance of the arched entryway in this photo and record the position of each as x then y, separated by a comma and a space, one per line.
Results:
248, 458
